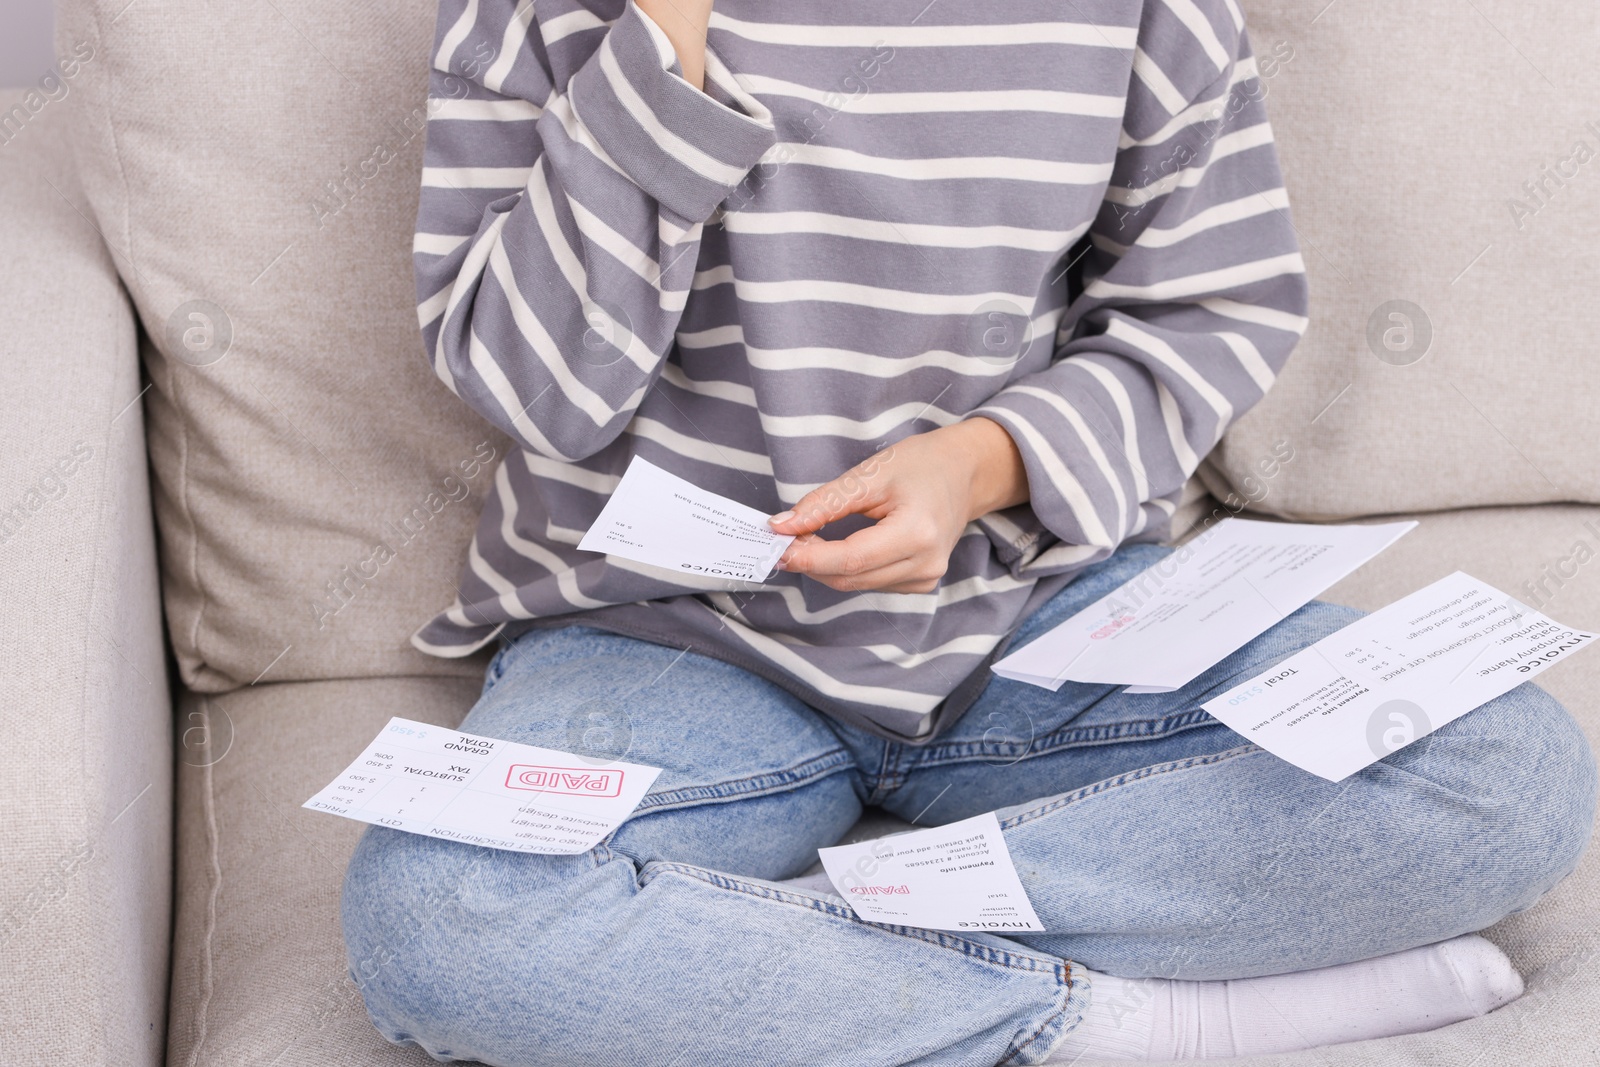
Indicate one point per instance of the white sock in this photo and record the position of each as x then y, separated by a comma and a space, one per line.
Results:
1404, 993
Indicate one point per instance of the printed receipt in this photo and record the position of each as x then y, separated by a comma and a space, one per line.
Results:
443, 783
658, 518
954, 877
1395, 676
1209, 598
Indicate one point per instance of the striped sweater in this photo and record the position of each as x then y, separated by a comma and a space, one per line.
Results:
877, 218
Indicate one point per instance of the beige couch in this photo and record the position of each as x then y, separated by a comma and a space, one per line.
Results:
225, 192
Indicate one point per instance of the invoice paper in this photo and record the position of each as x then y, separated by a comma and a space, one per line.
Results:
1208, 598
954, 877
658, 518
1394, 676
443, 783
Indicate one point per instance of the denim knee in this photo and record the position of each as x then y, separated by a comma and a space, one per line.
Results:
419, 918
1527, 777
1551, 782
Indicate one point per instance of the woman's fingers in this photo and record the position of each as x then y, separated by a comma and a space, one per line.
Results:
902, 576
894, 555
824, 504
908, 548
859, 489
857, 555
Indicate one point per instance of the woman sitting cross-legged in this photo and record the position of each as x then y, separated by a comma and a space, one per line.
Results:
961, 295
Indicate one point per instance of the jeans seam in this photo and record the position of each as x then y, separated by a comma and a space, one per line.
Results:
1069, 737
751, 784
891, 772
1139, 775
497, 667
940, 938
1064, 975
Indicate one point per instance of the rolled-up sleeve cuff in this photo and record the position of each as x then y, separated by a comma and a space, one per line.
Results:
686, 148
1078, 493
1017, 536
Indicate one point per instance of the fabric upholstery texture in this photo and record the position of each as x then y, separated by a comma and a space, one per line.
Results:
259, 964
1407, 134
257, 171
86, 797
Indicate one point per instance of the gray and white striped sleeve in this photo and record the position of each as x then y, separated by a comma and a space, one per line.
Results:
1192, 295
568, 171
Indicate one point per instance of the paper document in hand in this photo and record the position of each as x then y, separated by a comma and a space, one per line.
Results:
1395, 676
954, 877
1207, 599
500, 794
658, 518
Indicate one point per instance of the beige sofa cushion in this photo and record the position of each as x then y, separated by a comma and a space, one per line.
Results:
258, 960
255, 167
1408, 133
259, 966
86, 792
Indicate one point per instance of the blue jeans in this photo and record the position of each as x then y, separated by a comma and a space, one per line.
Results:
1152, 840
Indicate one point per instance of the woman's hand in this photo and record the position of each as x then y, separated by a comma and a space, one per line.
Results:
923, 491
684, 22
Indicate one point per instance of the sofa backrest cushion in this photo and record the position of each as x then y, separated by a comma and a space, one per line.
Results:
254, 169
1443, 167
